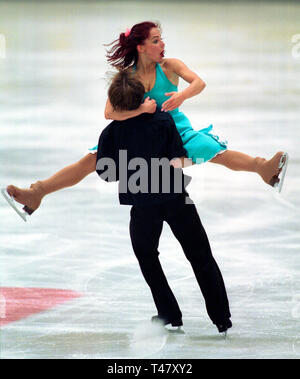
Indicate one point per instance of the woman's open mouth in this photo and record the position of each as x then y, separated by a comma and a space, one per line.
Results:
162, 54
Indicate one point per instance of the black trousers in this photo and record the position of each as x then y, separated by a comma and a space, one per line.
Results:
145, 229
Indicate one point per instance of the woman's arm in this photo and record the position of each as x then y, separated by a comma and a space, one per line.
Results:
196, 84
148, 106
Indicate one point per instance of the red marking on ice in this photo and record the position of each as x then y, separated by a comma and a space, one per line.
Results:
18, 303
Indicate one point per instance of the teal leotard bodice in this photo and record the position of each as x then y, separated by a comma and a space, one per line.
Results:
200, 145
163, 85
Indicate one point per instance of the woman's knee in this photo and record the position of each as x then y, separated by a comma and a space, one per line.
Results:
221, 158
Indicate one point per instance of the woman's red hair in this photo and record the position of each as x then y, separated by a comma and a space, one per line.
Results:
124, 53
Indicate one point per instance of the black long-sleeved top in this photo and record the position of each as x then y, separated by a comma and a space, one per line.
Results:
137, 153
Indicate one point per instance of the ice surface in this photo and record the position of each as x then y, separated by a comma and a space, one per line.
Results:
52, 96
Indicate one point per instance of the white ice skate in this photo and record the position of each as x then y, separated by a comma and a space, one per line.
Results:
175, 330
283, 166
173, 326
13, 204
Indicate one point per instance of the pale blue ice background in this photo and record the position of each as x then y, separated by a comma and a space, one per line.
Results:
52, 98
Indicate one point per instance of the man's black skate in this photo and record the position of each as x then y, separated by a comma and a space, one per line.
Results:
222, 328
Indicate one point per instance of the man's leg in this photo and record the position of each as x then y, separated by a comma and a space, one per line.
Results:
145, 230
187, 228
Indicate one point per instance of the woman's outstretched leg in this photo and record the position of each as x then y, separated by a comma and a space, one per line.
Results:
267, 169
67, 177
237, 161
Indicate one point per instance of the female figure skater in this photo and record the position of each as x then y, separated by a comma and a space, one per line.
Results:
141, 50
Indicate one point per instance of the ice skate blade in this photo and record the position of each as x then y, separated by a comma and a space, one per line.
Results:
12, 203
283, 165
177, 330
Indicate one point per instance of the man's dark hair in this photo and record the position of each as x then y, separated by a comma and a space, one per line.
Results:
125, 92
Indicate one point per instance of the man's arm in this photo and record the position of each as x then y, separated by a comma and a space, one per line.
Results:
107, 156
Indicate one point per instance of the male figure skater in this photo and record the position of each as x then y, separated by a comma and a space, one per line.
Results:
141, 140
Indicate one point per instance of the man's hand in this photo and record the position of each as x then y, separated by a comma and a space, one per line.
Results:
181, 162
148, 106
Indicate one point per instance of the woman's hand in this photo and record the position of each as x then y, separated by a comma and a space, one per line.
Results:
148, 106
174, 102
